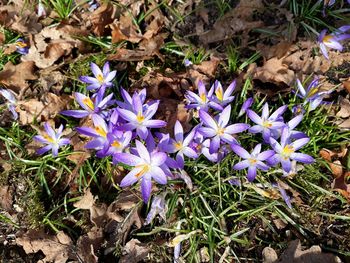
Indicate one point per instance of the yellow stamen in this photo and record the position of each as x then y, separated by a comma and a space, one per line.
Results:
88, 102
116, 144
100, 78
287, 151
21, 44
312, 92
267, 124
140, 118
221, 131
48, 138
178, 145
327, 39
144, 169
219, 94
203, 97
252, 161
101, 131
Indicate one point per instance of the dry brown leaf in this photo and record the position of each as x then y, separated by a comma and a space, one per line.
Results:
125, 29
133, 218
47, 108
2, 38
148, 48
99, 214
6, 198
18, 19
15, 77
56, 249
51, 44
134, 251
238, 19
345, 124
101, 18
340, 185
89, 243
346, 85
337, 168
344, 108
275, 72
295, 254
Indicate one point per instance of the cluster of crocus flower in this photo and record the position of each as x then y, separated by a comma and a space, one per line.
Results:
128, 132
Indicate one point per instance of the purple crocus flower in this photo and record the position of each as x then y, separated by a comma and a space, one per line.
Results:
158, 207
11, 102
128, 100
285, 151
146, 166
141, 120
266, 124
223, 98
22, 46
332, 40
102, 78
181, 145
246, 105
218, 130
312, 95
118, 141
187, 62
52, 139
217, 156
99, 133
90, 106
202, 100
252, 161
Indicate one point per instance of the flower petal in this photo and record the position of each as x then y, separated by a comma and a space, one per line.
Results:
178, 132
224, 116
130, 178
241, 165
254, 117
251, 173
299, 143
44, 149
158, 175
95, 70
236, 128
207, 119
241, 152
302, 157
128, 159
143, 152
265, 155
146, 188
75, 113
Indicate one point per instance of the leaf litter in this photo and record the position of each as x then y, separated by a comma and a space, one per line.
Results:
55, 46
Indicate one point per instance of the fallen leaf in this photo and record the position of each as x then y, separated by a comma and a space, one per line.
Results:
99, 214
344, 111
275, 72
2, 38
19, 19
346, 85
56, 249
295, 254
337, 168
238, 19
51, 44
41, 110
134, 251
101, 18
89, 243
340, 184
16, 77
6, 198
